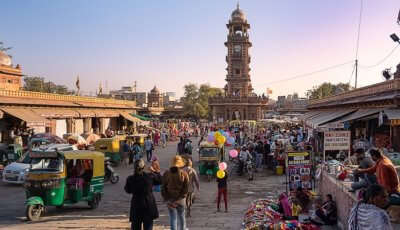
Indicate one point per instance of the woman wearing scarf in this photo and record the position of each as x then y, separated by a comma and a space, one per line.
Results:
369, 214
284, 205
143, 204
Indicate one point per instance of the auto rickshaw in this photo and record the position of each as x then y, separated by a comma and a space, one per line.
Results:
66, 177
140, 138
210, 155
111, 147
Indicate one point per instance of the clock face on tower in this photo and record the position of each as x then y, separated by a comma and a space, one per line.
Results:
237, 48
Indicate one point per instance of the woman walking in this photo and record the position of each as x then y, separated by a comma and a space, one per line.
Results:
143, 204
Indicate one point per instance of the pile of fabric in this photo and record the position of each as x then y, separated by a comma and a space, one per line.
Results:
264, 214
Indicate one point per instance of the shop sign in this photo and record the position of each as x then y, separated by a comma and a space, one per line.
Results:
299, 170
337, 140
395, 122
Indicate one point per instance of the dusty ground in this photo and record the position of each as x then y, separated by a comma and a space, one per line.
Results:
114, 209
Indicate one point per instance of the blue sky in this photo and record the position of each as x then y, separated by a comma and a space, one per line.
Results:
170, 42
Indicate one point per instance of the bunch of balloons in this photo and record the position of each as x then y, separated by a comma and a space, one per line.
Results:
220, 137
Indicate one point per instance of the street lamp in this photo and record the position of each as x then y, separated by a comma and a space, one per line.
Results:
395, 38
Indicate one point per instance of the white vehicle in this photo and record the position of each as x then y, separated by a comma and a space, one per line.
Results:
15, 172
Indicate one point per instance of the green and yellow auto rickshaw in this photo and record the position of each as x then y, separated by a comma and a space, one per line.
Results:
111, 147
210, 155
66, 177
139, 138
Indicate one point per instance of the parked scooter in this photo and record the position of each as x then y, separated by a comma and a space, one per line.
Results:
109, 172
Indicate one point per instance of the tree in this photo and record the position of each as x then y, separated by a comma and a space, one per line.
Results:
38, 84
195, 100
327, 89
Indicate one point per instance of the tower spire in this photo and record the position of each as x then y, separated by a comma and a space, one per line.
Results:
237, 5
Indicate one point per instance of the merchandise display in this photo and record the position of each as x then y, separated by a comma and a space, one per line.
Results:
264, 214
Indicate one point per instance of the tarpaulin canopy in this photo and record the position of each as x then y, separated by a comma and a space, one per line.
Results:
141, 117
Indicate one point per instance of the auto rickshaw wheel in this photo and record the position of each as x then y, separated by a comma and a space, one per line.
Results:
33, 212
114, 179
95, 202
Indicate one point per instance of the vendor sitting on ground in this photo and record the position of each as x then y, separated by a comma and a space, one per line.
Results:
326, 214
303, 197
362, 180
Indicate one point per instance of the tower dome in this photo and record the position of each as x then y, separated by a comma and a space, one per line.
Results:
238, 14
5, 59
155, 90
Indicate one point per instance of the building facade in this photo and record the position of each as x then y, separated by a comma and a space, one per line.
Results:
239, 102
10, 77
155, 98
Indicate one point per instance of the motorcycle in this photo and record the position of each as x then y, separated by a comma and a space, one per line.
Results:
110, 174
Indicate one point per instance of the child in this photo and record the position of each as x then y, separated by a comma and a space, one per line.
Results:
223, 190
296, 209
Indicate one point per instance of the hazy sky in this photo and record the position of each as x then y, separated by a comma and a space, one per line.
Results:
173, 42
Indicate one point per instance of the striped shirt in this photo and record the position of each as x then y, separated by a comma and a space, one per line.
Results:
368, 217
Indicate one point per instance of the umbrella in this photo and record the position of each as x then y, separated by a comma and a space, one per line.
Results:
91, 138
77, 139
48, 136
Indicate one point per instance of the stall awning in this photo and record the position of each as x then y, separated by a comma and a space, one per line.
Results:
56, 113
141, 117
327, 116
309, 115
129, 117
392, 114
27, 115
360, 114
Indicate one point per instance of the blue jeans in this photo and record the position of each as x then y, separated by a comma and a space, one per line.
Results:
259, 160
149, 154
177, 218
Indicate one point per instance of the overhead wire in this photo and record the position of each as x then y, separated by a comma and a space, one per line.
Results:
382, 60
311, 73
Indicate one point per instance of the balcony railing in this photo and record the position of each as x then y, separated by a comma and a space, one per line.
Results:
60, 97
252, 99
378, 88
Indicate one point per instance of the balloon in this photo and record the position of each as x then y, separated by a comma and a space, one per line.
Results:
233, 153
220, 174
222, 166
217, 134
210, 138
231, 140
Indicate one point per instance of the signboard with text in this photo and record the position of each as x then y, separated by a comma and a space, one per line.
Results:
299, 167
337, 140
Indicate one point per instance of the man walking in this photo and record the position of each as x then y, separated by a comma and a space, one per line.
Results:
174, 191
148, 146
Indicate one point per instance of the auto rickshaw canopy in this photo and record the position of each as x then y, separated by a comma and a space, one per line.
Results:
206, 144
96, 157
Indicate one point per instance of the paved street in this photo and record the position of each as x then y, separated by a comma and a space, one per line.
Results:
114, 209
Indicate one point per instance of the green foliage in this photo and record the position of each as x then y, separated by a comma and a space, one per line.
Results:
327, 89
38, 84
195, 100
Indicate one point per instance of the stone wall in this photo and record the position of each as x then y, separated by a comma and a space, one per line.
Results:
339, 190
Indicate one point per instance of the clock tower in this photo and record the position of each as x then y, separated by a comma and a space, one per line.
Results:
239, 101
238, 58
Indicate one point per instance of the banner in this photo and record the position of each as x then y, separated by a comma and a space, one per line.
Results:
299, 167
337, 140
